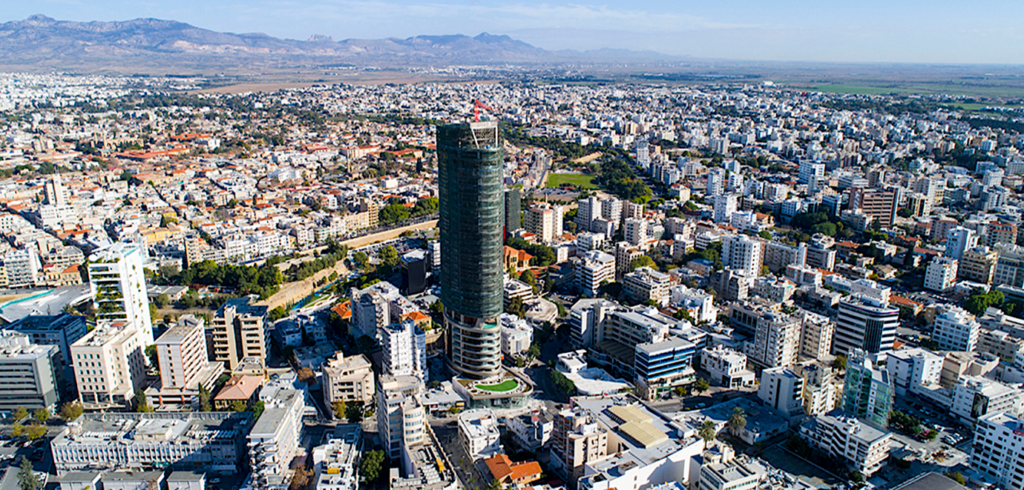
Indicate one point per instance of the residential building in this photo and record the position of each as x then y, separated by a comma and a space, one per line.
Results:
592, 270
726, 367
544, 221
1000, 344
400, 416
732, 474
61, 330
820, 393
782, 389
184, 365
404, 348
516, 335
1009, 266
959, 240
646, 284
880, 204
743, 253
865, 323
816, 336
184, 441
336, 463
576, 440
698, 303
731, 284
998, 445
274, 439
867, 391
940, 274
725, 205
635, 231
977, 264
371, 309
470, 162
30, 373
478, 432
119, 288
956, 329
22, 268
584, 319
238, 390
863, 448
913, 369
776, 340
109, 364
347, 379
532, 430
238, 332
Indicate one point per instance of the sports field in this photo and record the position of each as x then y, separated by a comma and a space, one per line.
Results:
583, 181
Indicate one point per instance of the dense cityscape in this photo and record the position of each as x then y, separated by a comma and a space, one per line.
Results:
510, 285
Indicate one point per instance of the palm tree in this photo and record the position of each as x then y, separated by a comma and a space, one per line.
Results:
707, 432
737, 421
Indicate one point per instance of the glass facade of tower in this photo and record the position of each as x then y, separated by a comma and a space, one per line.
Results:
472, 218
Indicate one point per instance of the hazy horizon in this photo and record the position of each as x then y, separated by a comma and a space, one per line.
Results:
913, 31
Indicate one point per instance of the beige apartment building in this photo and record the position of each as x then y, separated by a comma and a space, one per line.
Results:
238, 332
348, 379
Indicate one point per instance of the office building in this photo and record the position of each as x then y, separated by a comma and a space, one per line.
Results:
976, 396
478, 432
347, 379
29, 373
404, 348
592, 271
60, 330
940, 274
782, 389
998, 446
660, 367
513, 211
109, 366
977, 264
956, 329
959, 240
867, 392
119, 288
880, 204
400, 416
864, 322
183, 441
863, 448
470, 166
238, 332
184, 365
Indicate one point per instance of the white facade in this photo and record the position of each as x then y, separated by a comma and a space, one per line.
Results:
940, 274
405, 349
862, 447
478, 430
782, 389
958, 240
743, 253
109, 364
912, 369
119, 288
592, 270
725, 205
727, 367
955, 329
274, 439
998, 447
974, 396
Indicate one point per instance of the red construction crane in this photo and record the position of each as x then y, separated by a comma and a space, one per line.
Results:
477, 105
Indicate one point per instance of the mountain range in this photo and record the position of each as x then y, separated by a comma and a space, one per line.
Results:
155, 46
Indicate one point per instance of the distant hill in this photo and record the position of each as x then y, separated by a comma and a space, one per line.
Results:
40, 43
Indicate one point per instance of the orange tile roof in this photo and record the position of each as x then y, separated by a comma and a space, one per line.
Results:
239, 388
503, 469
416, 316
900, 300
343, 309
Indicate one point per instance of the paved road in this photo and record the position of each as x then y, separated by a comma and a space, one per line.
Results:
472, 474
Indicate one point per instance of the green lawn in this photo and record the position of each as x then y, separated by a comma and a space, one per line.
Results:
507, 385
583, 181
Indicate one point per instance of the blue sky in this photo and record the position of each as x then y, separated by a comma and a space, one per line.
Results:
920, 31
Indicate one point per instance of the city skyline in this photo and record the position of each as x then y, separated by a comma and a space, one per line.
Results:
908, 32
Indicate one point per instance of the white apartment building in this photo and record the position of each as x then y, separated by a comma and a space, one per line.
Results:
646, 284
820, 393
635, 231
594, 269
816, 336
940, 274
975, 396
699, 303
399, 414
998, 446
184, 365
587, 241
743, 253
478, 431
862, 447
348, 379
956, 329
22, 268
336, 463
958, 240
119, 288
782, 389
912, 369
776, 340
404, 349
371, 309
516, 335
109, 365
727, 367
735, 474
274, 438
725, 205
